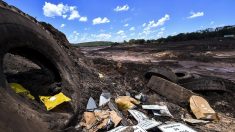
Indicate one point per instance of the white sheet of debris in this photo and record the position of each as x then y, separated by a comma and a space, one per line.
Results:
158, 110
175, 127
91, 105
139, 116
123, 129
148, 124
104, 98
119, 129
143, 121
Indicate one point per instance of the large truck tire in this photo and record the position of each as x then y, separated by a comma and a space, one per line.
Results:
205, 84
162, 72
21, 34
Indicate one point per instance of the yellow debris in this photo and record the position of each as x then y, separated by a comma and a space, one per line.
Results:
19, 89
52, 101
126, 102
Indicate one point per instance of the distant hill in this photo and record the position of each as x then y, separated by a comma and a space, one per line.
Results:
93, 44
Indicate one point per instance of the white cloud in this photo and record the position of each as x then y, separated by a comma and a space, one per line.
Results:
73, 38
122, 8
62, 25
163, 29
144, 25
121, 32
74, 14
86, 29
212, 22
120, 35
160, 34
100, 37
152, 24
132, 29
83, 19
103, 36
76, 37
102, 30
99, 20
75, 33
126, 25
64, 16
61, 10
126, 20
124, 36
160, 22
132, 34
52, 10
195, 14
174, 33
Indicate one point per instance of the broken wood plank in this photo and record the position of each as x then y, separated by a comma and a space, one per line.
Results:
170, 90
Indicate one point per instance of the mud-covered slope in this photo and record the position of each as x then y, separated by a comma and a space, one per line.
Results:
49, 49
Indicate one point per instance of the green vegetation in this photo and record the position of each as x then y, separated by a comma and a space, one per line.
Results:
93, 44
209, 33
218, 32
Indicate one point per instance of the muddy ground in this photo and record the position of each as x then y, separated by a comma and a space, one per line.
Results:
125, 66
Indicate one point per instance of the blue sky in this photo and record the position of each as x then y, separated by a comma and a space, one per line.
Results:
118, 20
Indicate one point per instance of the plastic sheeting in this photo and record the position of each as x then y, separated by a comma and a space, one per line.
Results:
52, 101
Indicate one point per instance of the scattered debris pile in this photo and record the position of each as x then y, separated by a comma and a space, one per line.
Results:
140, 113
168, 100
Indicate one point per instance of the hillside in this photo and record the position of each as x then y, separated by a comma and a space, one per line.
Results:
94, 43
